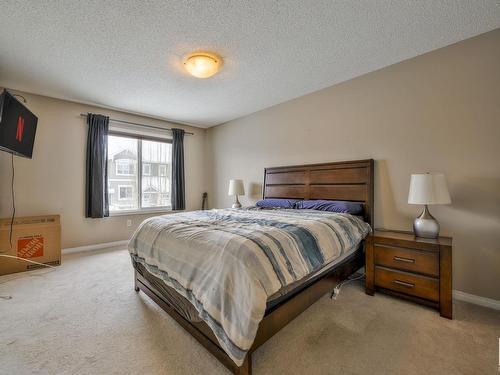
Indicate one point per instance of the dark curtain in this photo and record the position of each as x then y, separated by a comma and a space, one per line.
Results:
96, 196
178, 188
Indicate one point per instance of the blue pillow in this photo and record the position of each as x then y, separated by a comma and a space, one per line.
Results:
353, 208
276, 203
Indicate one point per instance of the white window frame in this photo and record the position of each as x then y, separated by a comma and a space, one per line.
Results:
126, 187
139, 210
148, 165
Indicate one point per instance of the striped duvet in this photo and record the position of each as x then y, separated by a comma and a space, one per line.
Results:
228, 262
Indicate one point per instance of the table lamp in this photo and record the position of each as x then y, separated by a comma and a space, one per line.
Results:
426, 189
236, 188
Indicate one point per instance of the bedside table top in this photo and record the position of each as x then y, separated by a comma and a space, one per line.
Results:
409, 236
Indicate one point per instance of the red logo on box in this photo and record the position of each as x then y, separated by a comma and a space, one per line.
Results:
30, 247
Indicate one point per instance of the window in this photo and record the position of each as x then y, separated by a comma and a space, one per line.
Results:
132, 191
124, 168
125, 192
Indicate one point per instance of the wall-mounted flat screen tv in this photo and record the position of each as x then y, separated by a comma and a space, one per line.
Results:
17, 126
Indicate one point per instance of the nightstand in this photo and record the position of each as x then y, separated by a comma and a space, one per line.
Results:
414, 268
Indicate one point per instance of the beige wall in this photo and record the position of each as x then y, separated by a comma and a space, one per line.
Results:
436, 112
53, 182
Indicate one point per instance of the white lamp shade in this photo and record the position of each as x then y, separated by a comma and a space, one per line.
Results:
428, 188
236, 187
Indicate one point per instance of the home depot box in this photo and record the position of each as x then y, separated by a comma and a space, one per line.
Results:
36, 238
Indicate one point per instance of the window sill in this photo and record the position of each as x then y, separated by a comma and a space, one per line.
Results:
163, 210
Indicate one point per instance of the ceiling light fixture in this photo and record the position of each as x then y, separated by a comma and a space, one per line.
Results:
202, 64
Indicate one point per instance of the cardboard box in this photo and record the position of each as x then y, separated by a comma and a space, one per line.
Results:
36, 238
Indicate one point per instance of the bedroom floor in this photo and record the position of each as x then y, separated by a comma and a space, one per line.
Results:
85, 318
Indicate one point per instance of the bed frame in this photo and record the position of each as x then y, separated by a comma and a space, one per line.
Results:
349, 180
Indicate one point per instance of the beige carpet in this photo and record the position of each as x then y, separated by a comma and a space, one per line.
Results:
85, 318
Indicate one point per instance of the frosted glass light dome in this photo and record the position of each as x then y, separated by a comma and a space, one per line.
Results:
203, 64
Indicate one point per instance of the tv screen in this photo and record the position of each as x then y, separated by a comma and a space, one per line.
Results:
17, 126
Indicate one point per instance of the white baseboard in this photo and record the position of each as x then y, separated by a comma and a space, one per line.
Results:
476, 300
98, 246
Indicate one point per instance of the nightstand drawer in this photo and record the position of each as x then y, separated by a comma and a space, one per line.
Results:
407, 259
403, 282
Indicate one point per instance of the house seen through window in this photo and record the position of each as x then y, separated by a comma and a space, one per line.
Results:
139, 173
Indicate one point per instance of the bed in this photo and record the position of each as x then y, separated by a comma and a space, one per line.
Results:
235, 312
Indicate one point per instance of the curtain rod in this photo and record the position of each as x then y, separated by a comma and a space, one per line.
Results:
137, 124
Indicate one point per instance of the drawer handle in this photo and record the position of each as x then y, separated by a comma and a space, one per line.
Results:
404, 283
406, 260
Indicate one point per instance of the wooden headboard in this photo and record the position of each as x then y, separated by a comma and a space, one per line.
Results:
346, 180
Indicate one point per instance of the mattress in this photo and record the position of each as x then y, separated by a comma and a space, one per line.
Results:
174, 299
189, 312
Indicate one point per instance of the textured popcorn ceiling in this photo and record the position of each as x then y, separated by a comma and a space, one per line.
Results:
128, 54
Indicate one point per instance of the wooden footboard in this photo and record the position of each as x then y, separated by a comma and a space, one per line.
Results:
200, 331
273, 321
